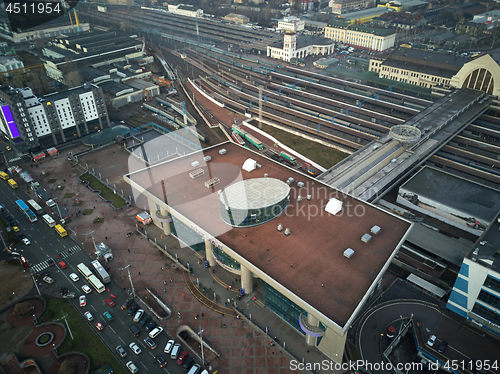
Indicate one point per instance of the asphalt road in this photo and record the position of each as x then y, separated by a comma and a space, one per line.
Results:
45, 245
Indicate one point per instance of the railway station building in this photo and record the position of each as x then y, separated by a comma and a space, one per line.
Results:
316, 254
293, 47
376, 39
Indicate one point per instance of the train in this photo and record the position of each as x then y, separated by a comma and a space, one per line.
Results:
249, 138
159, 111
288, 158
177, 106
237, 138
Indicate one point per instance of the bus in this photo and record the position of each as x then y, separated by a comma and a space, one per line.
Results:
49, 220
27, 211
96, 283
61, 231
36, 208
103, 274
12, 183
85, 271
4, 175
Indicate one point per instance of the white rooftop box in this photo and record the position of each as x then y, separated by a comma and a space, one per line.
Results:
348, 252
375, 230
222, 151
195, 164
366, 238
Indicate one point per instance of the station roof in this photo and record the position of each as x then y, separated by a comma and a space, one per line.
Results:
310, 261
340, 24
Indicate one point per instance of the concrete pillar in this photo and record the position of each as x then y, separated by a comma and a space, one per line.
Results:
312, 321
246, 280
209, 251
166, 225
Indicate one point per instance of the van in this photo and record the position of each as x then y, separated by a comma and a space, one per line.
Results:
194, 369
135, 330
175, 351
126, 304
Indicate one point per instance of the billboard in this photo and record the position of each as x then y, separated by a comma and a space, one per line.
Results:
10, 121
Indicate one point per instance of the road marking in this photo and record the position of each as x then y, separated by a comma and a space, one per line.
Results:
122, 340
144, 366
94, 308
112, 329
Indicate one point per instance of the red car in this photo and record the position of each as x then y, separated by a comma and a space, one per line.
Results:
182, 357
110, 302
99, 326
63, 265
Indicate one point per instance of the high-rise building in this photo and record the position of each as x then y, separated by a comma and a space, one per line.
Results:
32, 123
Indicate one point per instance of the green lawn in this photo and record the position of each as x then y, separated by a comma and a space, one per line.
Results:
106, 192
323, 155
85, 338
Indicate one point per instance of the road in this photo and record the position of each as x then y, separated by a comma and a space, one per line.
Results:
45, 245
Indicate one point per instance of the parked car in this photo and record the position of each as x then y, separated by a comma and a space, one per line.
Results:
107, 316
131, 367
151, 326
133, 308
122, 352
160, 360
135, 348
138, 315
99, 326
145, 319
150, 343
74, 277
442, 346
83, 301
169, 346
182, 357
89, 316
127, 303
431, 341
188, 362
154, 333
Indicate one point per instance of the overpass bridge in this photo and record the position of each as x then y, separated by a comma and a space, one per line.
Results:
371, 171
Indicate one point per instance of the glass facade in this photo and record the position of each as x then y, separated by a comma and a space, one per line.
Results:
186, 234
252, 217
283, 307
492, 283
322, 326
224, 258
489, 298
486, 313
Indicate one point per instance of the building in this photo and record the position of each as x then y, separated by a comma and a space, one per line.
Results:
476, 292
10, 63
400, 21
429, 69
293, 47
360, 36
185, 10
315, 270
363, 16
481, 23
59, 26
345, 6
405, 5
236, 18
121, 2
292, 24
32, 123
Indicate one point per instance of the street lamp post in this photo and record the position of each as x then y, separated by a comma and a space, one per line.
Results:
202, 355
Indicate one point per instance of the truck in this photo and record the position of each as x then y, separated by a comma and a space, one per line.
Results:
144, 218
288, 158
50, 203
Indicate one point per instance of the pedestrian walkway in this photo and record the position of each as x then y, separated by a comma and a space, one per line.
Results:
45, 264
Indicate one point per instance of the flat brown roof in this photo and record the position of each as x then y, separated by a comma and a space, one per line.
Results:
312, 255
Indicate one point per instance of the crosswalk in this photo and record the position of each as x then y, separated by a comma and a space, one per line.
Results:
14, 159
45, 264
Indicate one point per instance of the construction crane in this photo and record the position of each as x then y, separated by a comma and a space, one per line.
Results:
77, 22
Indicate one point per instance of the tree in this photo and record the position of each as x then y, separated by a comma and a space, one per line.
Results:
67, 367
23, 309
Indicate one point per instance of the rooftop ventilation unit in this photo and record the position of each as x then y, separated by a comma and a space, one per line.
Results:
195, 164
287, 231
334, 206
207, 158
212, 182
265, 175
289, 180
348, 252
375, 230
249, 165
366, 238
196, 173
300, 184
222, 151
309, 197
299, 199
280, 227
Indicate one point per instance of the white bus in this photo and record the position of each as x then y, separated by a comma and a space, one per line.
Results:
96, 283
85, 271
103, 274
49, 220
36, 208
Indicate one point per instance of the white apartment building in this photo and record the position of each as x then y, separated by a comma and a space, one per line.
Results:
291, 47
292, 24
360, 36
185, 10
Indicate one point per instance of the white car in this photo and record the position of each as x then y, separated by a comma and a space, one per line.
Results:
153, 334
431, 341
135, 348
83, 301
89, 316
130, 366
74, 277
26, 241
169, 346
86, 289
